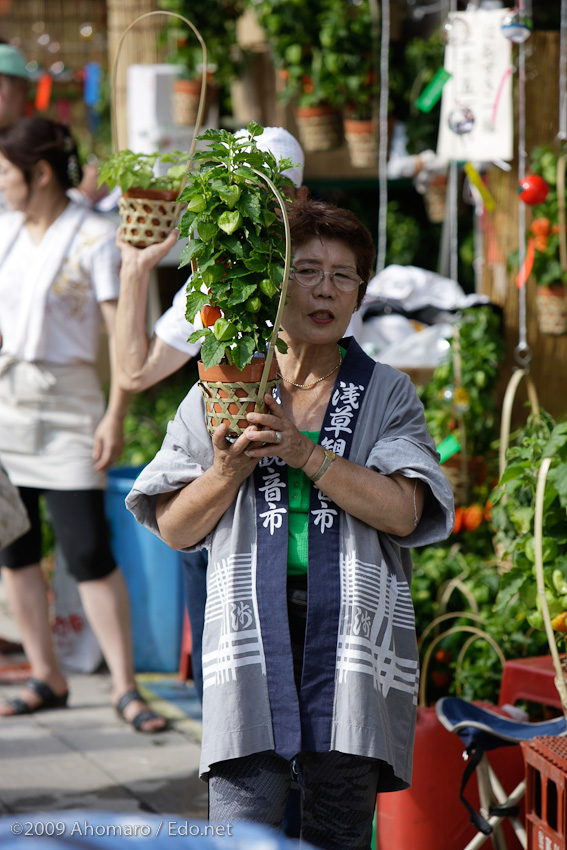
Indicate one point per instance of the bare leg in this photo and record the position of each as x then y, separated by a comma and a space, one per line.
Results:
106, 605
26, 592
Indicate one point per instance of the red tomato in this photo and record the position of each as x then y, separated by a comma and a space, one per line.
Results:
533, 190
209, 315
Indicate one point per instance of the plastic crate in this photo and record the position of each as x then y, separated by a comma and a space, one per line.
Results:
546, 792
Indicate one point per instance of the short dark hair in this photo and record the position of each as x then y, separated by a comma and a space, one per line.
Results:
310, 218
32, 139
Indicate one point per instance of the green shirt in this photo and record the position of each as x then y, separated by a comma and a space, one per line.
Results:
299, 486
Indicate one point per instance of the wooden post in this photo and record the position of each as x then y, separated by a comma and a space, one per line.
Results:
549, 353
140, 47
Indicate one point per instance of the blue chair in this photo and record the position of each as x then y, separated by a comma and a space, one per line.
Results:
482, 730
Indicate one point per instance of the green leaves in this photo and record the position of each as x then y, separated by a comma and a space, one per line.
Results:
195, 302
231, 214
212, 351
192, 249
140, 170
513, 518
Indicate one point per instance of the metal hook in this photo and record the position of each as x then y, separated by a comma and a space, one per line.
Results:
523, 355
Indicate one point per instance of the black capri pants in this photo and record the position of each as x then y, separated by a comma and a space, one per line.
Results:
80, 528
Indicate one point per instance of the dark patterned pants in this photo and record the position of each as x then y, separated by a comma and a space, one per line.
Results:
338, 795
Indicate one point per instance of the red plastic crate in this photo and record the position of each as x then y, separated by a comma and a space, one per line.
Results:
546, 792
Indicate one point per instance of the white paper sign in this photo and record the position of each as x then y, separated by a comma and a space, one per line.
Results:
479, 58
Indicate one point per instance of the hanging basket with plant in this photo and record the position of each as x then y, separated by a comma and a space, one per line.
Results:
148, 207
238, 245
150, 182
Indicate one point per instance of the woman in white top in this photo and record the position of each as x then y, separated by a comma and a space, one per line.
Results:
59, 280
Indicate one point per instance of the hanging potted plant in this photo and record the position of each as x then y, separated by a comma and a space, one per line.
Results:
349, 37
238, 244
306, 79
217, 24
316, 114
148, 207
539, 190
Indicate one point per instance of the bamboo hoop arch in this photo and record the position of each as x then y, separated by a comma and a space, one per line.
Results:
442, 618
202, 98
465, 647
560, 683
446, 591
507, 406
478, 633
277, 321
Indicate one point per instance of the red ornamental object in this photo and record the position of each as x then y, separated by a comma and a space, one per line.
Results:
533, 190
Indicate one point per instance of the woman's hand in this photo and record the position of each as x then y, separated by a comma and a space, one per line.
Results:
143, 260
108, 441
186, 516
232, 463
281, 437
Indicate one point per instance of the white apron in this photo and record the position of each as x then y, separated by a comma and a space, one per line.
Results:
48, 416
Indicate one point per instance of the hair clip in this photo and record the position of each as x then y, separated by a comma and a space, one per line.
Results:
73, 171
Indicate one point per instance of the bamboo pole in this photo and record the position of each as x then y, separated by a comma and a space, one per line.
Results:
141, 49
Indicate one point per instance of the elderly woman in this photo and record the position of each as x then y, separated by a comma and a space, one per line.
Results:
309, 655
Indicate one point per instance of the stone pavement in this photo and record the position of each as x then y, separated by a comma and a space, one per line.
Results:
85, 757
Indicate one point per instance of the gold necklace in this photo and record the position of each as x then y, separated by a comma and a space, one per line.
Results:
318, 381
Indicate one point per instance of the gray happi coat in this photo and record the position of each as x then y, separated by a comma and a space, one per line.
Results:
360, 673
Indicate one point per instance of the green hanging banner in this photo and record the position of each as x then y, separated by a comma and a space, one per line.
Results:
448, 447
432, 92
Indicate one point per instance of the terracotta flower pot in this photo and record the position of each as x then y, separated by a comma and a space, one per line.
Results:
436, 198
362, 142
319, 127
147, 216
551, 303
186, 97
230, 393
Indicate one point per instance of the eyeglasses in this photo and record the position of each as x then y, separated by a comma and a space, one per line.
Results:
308, 277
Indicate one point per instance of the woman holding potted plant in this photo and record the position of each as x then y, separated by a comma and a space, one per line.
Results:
144, 361
58, 282
310, 657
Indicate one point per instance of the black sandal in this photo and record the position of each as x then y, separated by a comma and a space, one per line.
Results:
143, 716
48, 697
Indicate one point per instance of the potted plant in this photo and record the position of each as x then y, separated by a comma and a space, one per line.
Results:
539, 190
459, 403
349, 36
150, 185
513, 517
239, 251
304, 67
216, 22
